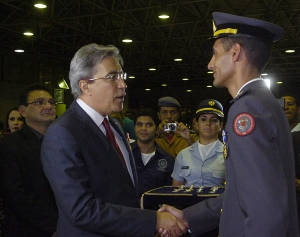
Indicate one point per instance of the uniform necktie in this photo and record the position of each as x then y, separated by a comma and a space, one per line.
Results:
111, 137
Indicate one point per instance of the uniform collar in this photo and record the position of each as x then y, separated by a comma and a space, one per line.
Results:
255, 83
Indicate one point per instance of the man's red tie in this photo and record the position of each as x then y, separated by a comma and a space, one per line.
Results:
111, 137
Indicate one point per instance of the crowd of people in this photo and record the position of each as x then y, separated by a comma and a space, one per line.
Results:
83, 174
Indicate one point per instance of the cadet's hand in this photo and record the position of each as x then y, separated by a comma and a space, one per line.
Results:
175, 212
170, 224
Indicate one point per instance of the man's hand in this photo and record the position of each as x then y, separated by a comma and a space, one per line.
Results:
175, 212
160, 128
169, 225
184, 132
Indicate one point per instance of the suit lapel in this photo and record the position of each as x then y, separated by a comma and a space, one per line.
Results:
118, 128
90, 125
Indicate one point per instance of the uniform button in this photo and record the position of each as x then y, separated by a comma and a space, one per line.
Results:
221, 210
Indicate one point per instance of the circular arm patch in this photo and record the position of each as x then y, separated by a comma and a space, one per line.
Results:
243, 124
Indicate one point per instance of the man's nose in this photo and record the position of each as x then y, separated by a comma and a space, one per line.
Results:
122, 83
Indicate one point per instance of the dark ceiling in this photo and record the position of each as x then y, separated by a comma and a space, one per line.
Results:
66, 25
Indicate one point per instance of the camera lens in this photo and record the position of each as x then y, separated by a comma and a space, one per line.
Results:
172, 127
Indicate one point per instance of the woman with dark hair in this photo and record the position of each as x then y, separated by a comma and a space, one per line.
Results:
202, 164
14, 120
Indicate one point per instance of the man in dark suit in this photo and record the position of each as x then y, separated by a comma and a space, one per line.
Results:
93, 178
259, 198
28, 199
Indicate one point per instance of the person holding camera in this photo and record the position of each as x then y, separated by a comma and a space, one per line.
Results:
172, 136
202, 164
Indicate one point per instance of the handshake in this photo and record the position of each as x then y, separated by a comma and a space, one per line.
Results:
171, 222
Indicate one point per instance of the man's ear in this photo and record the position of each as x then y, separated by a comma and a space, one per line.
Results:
22, 110
237, 49
84, 86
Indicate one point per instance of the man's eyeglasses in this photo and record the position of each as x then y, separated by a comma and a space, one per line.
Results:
43, 102
111, 77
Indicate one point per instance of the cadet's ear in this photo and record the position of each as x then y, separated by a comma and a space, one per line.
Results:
236, 51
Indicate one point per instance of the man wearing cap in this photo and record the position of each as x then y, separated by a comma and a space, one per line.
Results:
172, 138
202, 164
259, 198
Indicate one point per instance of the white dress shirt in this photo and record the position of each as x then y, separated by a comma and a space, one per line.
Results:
98, 119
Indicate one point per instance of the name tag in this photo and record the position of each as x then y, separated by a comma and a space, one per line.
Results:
184, 167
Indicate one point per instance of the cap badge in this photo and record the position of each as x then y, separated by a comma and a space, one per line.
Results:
226, 31
211, 103
243, 124
214, 27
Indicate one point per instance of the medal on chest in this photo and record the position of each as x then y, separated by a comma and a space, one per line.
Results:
224, 140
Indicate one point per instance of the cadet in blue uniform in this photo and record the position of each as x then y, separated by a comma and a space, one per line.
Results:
202, 164
259, 198
154, 165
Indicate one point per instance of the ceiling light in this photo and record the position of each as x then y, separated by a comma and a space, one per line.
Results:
40, 5
147, 89
209, 86
152, 69
131, 77
290, 51
19, 50
264, 74
163, 84
27, 33
185, 79
178, 59
210, 72
163, 16
188, 90
279, 82
127, 40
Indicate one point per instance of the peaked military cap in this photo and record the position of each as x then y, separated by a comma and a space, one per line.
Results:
232, 26
210, 106
168, 102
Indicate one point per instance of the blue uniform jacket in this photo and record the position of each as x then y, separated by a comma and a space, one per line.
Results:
156, 173
259, 198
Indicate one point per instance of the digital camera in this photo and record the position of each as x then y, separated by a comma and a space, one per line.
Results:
170, 127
